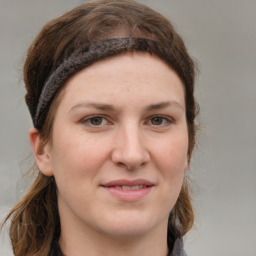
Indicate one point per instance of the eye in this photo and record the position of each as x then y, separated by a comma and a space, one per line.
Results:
95, 121
157, 120
160, 121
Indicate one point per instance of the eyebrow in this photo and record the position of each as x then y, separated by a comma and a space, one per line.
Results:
100, 106
165, 104
108, 107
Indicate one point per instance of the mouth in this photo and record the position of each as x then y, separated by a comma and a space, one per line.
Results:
136, 187
127, 190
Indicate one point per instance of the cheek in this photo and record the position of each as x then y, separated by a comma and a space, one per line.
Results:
172, 154
75, 168
170, 158
78, 155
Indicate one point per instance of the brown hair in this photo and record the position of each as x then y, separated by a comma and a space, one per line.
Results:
35, 219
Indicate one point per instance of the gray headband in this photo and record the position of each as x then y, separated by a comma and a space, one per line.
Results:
90, 53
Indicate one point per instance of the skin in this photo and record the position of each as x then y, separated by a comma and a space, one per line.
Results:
139, 132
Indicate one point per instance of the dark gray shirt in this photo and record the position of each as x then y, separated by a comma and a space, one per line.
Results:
177, 249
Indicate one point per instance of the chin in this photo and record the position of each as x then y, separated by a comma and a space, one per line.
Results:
131, 226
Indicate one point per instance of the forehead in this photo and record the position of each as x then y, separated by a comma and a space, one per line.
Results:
138, 75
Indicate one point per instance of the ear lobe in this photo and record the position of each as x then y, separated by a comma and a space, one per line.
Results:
186, 165
41, 152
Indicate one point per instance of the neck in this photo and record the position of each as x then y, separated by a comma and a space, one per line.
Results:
95, 243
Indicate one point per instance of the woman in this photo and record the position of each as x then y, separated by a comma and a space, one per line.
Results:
110, 88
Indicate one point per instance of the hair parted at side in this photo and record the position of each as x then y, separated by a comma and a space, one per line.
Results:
35, 219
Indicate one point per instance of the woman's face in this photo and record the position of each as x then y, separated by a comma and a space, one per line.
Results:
119, 146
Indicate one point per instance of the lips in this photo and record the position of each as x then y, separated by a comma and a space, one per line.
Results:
129, 190
138, 182
136, 187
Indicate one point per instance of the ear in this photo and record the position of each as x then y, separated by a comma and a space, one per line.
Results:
41, 152
187, 163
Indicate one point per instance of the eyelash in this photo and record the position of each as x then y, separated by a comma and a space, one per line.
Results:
167, 120
88, 121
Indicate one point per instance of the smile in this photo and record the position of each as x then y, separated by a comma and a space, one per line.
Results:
128, 190
136, 187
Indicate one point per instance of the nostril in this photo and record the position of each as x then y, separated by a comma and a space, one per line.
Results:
124, 165
130, 167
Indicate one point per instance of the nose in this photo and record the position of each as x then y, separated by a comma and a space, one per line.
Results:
129, 148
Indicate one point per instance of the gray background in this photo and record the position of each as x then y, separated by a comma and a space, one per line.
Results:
221, 36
